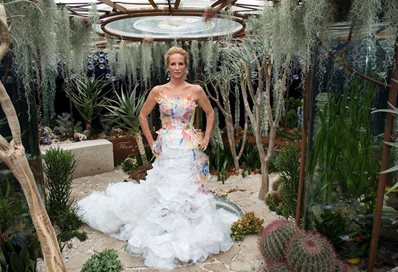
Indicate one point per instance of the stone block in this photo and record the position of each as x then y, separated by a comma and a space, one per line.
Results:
93, 156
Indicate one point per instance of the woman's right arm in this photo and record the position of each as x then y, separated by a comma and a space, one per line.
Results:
149, 104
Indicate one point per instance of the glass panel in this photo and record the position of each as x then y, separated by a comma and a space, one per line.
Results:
171, 27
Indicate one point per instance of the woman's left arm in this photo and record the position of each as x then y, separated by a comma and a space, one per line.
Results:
204, 103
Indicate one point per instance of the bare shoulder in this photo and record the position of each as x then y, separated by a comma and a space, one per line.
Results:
157, 91
197, 90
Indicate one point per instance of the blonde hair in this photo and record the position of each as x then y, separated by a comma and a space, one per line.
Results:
174, 50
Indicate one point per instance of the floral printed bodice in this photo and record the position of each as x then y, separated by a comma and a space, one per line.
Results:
177, 112
177, 117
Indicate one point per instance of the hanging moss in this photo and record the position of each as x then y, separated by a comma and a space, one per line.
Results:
63, 38
80, 44
121, 60
195, 55
33, 37
206, 52
132, 60
159, 50
146, 62
365, 16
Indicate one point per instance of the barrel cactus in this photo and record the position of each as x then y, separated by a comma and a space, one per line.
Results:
273, 239
310, 252
342, 266
277, 267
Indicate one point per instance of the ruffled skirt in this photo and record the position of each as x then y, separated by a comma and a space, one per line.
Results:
168, 218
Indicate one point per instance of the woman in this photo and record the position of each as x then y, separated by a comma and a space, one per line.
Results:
169, 218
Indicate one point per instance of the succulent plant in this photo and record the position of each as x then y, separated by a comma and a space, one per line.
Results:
249, 224
277, 267
273, 239
310, 252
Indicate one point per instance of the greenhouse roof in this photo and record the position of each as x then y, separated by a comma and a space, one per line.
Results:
168, 19
108, 7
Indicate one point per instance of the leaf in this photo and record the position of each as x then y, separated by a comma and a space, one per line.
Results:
16, 263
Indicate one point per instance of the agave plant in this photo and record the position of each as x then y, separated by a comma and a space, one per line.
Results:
89, 97
126, 109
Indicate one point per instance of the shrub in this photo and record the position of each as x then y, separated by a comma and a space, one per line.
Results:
58, 168
65, 127
105, 261
288, 165
249, 224
273, 199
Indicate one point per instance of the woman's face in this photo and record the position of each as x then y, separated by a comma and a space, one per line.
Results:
176, 67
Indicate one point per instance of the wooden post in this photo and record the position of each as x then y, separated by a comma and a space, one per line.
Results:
392, 99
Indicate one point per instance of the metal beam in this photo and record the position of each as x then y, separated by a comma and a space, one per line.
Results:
153, 4
177, 4
114, 5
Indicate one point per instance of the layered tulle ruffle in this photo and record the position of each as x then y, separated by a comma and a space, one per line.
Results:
167, 218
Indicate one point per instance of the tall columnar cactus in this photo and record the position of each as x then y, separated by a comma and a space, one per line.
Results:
273, 239
277, 267
310, 252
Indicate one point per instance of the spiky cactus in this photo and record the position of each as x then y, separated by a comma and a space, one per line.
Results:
277, 267
342, 266
310, 252
273, 239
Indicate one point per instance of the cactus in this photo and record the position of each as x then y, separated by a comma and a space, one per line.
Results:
310, 252
277, 267
273, 239
342, 266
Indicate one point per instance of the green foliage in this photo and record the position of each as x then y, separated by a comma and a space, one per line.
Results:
292, 135
333, 224
250, 157
69, 234
58, 168
220, 160
274, 238
310, 252
348, 225
65, 126
125, 109
288, 164
249, 224
342, 158
19, 247
105, 261
273, 201
88, 95
129, 164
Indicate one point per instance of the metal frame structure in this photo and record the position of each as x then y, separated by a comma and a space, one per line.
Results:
111, 10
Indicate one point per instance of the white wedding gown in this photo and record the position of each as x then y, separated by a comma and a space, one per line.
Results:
169, 218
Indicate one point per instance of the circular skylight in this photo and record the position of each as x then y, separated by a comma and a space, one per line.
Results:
171, 27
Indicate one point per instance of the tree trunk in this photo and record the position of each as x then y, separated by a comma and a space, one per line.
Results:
141, 147
264, 180
13, 155
232, 144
